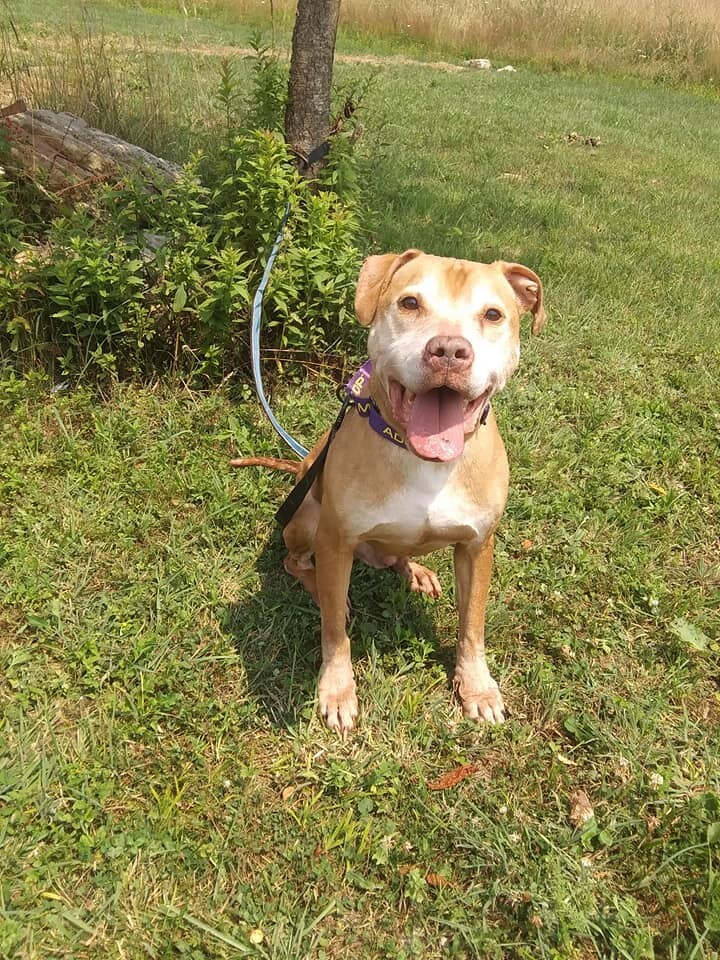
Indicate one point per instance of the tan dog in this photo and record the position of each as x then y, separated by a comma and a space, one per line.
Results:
444, 338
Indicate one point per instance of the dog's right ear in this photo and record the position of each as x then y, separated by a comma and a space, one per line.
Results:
375, 275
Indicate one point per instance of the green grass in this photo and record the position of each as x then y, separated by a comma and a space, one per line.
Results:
164, 23
166, 789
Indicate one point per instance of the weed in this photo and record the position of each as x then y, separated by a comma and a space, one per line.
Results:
148, 280
268, 95
138, 279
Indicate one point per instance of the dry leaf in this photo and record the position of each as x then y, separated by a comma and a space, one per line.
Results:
657, 488
653, 823
453, 777
623, 770
436, 879
431, 878
566, 760
580, 808
287, 792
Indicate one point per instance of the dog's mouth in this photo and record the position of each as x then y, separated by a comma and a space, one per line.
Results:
435, 422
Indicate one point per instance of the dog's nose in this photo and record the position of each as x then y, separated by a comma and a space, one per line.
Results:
451, 353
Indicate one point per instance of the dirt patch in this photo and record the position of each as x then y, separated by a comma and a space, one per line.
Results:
228, 51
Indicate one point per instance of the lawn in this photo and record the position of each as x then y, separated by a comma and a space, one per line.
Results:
166, 788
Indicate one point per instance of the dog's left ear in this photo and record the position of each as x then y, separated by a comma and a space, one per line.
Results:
528, 291
375, 275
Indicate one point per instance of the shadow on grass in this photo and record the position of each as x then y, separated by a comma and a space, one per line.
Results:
276, 631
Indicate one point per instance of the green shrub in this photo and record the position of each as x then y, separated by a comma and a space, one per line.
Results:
139, 279
268, 96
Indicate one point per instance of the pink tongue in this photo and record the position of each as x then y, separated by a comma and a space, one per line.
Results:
435, 428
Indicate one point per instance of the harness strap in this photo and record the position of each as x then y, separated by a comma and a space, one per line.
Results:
294, 499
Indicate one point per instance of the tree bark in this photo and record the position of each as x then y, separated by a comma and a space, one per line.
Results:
307, 118
65, 153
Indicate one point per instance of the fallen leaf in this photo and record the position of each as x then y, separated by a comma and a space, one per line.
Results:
690, 634
287, 792
580, 808
653, 823
566, 760
436, 879
575, 137
453, 777
623, 770
431, 878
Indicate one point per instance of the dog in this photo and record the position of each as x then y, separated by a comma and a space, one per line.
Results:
444, 338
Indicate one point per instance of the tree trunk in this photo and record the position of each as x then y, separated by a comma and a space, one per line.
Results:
307, 119
64, 153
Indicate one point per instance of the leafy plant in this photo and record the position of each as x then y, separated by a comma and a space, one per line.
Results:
227, 96
268, 94
140, 277
10, 223
142, 281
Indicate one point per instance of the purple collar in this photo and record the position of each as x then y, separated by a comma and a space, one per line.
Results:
366, 406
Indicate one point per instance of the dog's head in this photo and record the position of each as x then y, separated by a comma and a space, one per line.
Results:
444, 337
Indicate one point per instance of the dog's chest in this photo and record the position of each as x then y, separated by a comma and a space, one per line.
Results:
428, 512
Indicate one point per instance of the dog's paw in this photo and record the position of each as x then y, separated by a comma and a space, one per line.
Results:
420, 579
487, 706
424, 580
480, 700
337, 702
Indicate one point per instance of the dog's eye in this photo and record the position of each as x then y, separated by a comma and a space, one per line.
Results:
493, 315
410, 303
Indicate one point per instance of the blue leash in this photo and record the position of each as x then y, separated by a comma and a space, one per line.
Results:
296, 447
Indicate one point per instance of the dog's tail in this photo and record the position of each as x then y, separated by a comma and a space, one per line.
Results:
290, 466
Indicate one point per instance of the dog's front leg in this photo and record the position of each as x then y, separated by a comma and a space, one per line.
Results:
476, 688
336, 686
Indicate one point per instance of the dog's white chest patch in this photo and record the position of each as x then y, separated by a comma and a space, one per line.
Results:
428, 512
